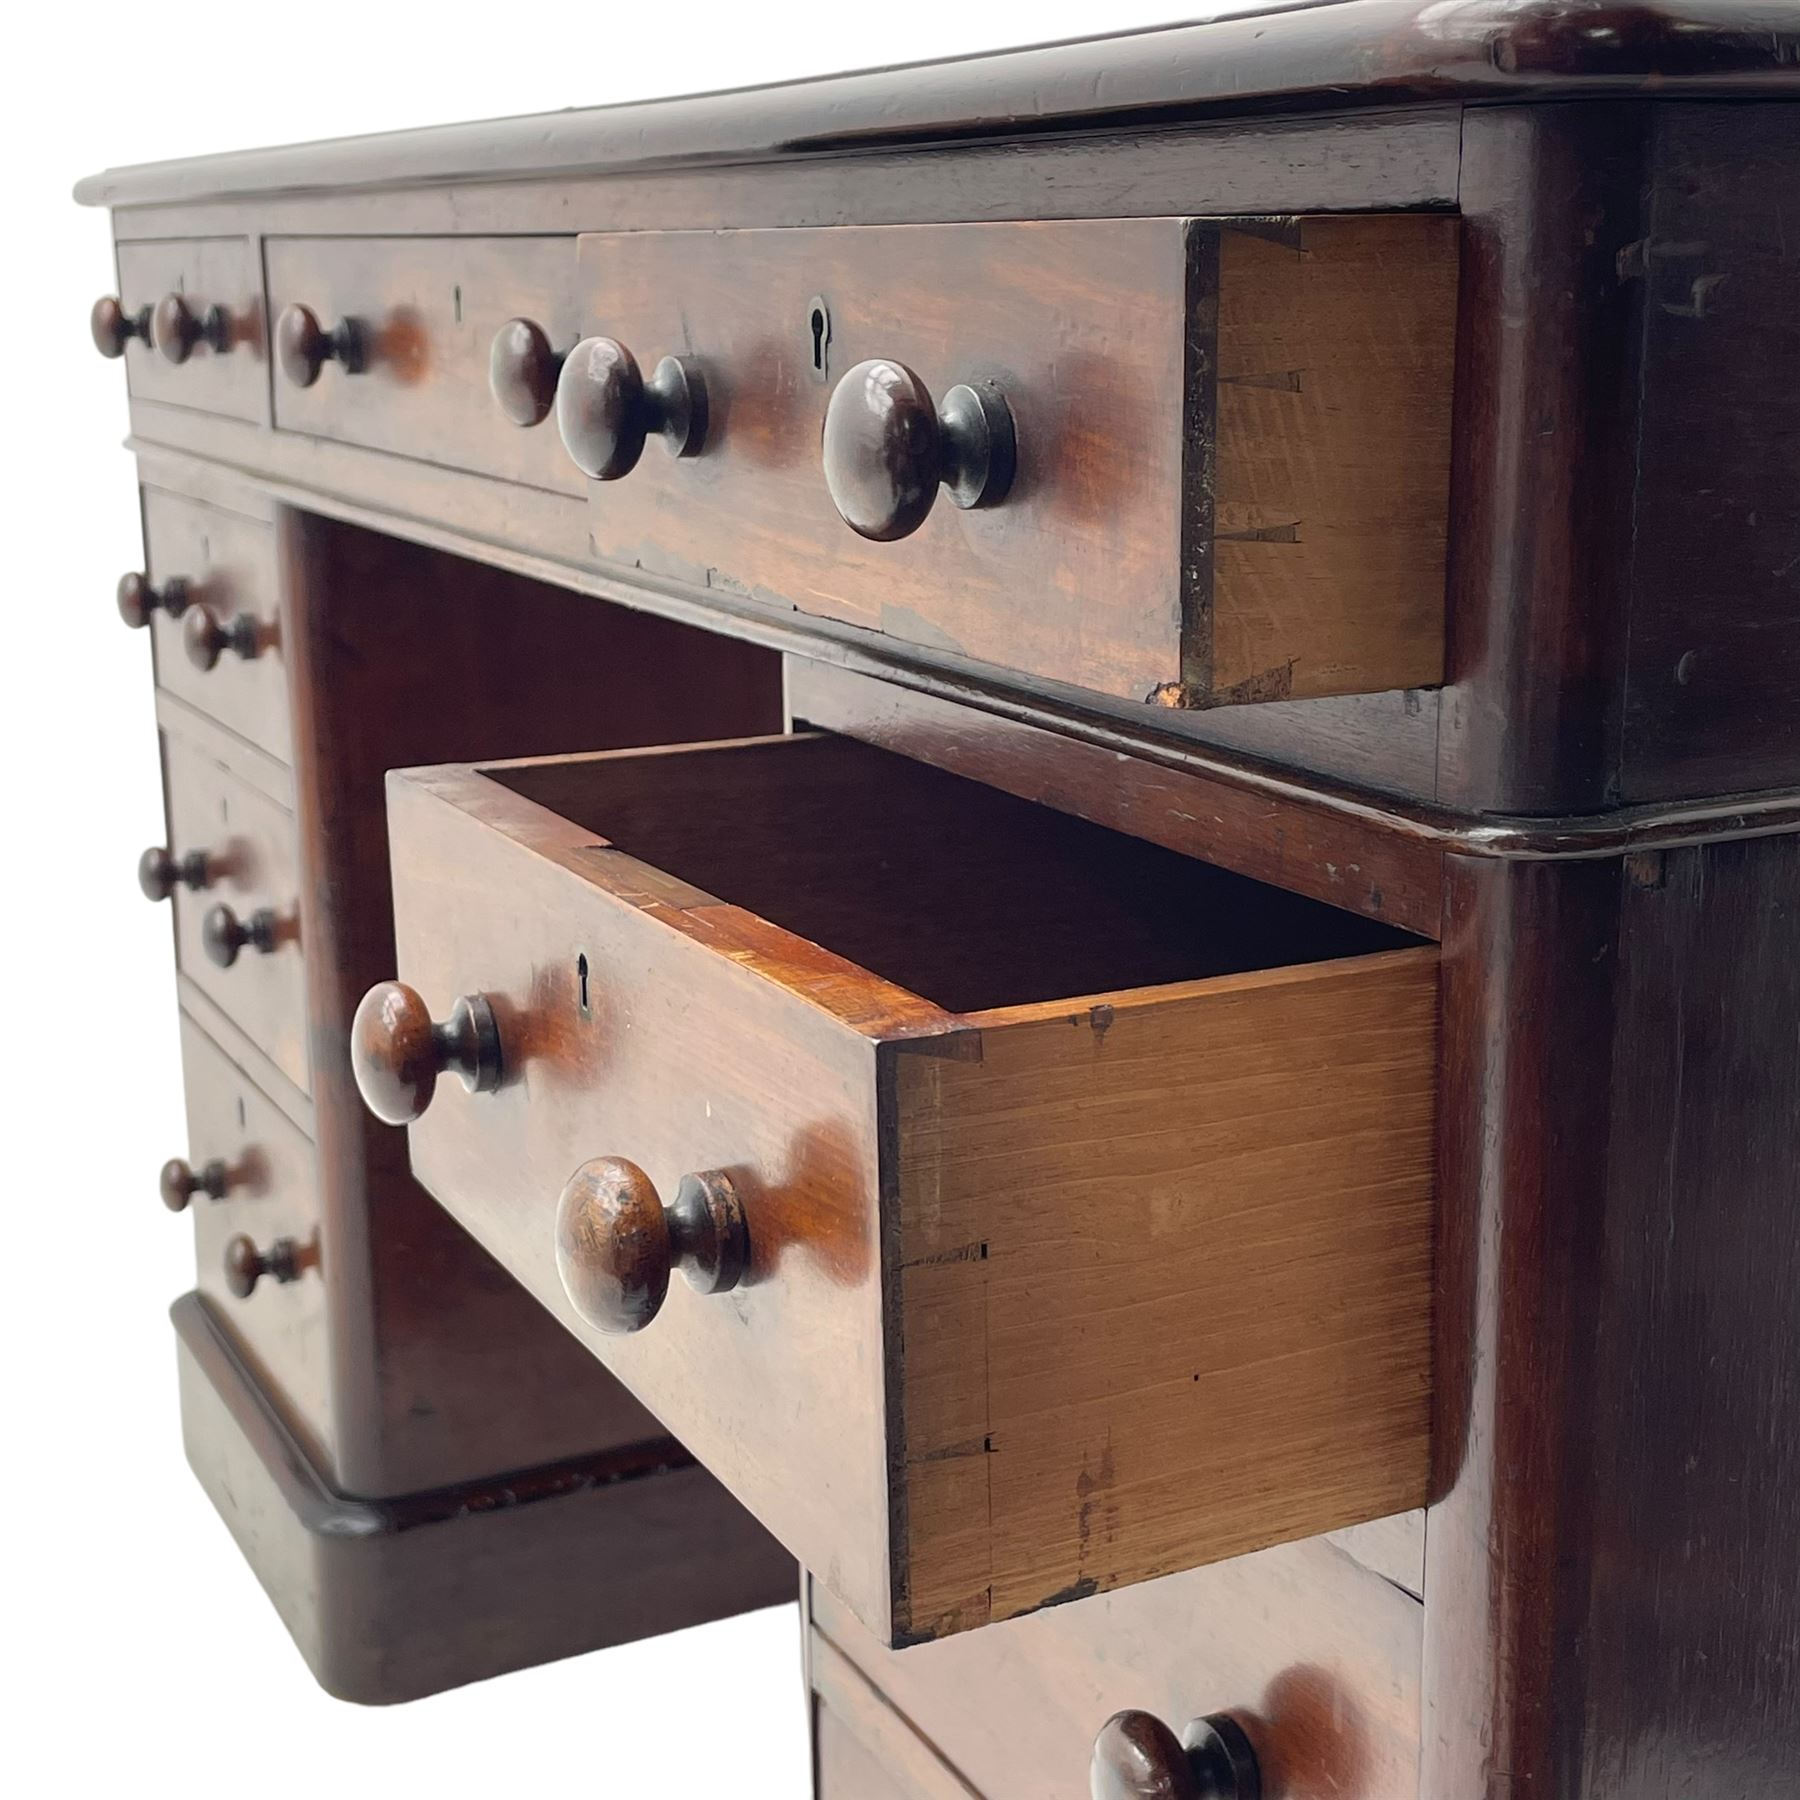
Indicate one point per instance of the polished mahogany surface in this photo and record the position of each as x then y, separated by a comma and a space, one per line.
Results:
1572, 795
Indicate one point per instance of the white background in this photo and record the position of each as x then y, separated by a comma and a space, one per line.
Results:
137, 1646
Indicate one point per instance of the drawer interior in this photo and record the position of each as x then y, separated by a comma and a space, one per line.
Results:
966, 896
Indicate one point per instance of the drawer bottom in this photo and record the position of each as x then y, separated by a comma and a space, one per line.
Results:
391, 1600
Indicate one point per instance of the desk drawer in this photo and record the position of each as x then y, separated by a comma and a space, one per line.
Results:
427, 311
1087, 1188
237, 936
269, 1201
1232, 440
1316, 1659
224, 653
216, 362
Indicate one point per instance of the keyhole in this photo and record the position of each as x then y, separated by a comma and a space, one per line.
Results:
819, 322
243, 1119
581, 974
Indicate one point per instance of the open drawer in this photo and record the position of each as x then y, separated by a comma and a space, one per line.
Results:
1056, 1209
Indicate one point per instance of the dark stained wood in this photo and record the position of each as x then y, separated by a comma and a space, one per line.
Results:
389, 1600
522, 369
1546, 388
1711, 703
1234, 817
617, 1243
253, 870
112, 327
227, 562
1138, 1757
428, 310
179, 326
1387, 743
1317, 1659
1612, 1578
401, 655
1368, 53
397, 1052
208, 294
1345, 162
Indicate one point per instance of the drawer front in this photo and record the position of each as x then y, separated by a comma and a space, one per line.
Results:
205, 273
977, 1221
253, 876
428, 309
271, 1198
1232, 440
1317, 1658
228, 562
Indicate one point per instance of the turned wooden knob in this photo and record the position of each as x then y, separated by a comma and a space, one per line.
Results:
887, 449
616, 1242
223, 934
1137, 1757
113, 327
160, 872
206, 637
245, 1265
179, 324
398, 1052
303, 346
605, 409
138, 599
523, 368
179, 1183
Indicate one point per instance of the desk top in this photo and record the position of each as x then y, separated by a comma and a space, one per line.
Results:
1328, 54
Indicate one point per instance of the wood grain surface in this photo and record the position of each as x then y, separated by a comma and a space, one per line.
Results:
430, 306
1318, 1659
1233, 444
713, 1037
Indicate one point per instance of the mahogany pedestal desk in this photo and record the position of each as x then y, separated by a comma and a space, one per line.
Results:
1111, 738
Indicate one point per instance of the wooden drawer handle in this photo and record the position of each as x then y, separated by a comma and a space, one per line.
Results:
605, 409
398, 1052
616, 1242
113, 327
887, 448
176, 329
523, 367
138, 599
1137, 1757
160, 872
223, 934
303, 346
245, 1265
206, 637
179, 1182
